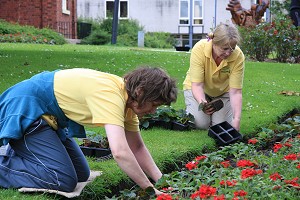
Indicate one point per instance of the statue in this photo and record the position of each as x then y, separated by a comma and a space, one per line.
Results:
244, 17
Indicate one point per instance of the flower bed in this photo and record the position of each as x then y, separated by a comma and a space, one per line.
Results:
266, 167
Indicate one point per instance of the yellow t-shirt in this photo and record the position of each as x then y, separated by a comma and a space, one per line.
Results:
217, 79
93, 98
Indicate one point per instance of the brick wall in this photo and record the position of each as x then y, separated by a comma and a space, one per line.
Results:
41, 14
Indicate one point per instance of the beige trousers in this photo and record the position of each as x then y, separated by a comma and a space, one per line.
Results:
204, 121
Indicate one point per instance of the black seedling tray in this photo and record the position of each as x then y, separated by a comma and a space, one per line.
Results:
224, 133
95, 152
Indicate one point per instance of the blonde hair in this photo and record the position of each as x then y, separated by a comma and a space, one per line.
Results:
224, 34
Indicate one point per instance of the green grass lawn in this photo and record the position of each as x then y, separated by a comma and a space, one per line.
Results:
261, 102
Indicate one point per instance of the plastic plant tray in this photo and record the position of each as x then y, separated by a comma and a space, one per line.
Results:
224, 133
95, 152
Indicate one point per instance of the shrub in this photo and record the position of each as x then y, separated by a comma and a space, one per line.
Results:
102, 31
280, 37
159, 40
106, 25
97, 38
127, 34
285, 38
28, 34
129, 27
256, 43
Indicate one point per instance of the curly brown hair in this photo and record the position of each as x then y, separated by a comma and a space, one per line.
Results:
156, 85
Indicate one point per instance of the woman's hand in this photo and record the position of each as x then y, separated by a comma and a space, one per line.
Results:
208, 109
157, 192
236, 124
212, 106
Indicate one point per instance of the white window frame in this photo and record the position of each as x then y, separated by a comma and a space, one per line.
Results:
65, 7
198, 18
119, 11
184, 18
188, 17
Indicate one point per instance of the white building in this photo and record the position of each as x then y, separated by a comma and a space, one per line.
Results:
171, 16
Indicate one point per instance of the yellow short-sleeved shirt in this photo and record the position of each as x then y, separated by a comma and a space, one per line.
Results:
217, 79
93, 98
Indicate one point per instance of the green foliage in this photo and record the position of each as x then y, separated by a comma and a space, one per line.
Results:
256, 43
239, 167
280, 8
102, 31
106, 25
168, 114
146, 194
97, 37
159, 40
16, 33
285, 38
127, 34
127, 40
280, 37
261, 102
129, 27
94, 139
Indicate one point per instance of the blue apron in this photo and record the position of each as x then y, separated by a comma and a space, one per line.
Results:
25, 102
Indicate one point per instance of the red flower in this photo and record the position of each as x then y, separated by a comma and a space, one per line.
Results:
293, 182
298, 166
287, 144
275, 176
228, 183
252, 141
164, 197
290, 140
291, 157
245, 163
240, 193
276, 187
221, 197
168, 189
191, 165
204, 191
266, 28
277, 147
225, 164
273, 24
198, 158
250, 172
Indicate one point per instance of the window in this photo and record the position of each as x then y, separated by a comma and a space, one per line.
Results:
198, 16
184, 9
65, 7
123, 9
184, 12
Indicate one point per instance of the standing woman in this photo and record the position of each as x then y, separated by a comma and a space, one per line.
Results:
216, 72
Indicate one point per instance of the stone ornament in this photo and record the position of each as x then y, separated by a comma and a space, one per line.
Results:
247, 17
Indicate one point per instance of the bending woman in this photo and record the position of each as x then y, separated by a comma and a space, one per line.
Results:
40, 116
